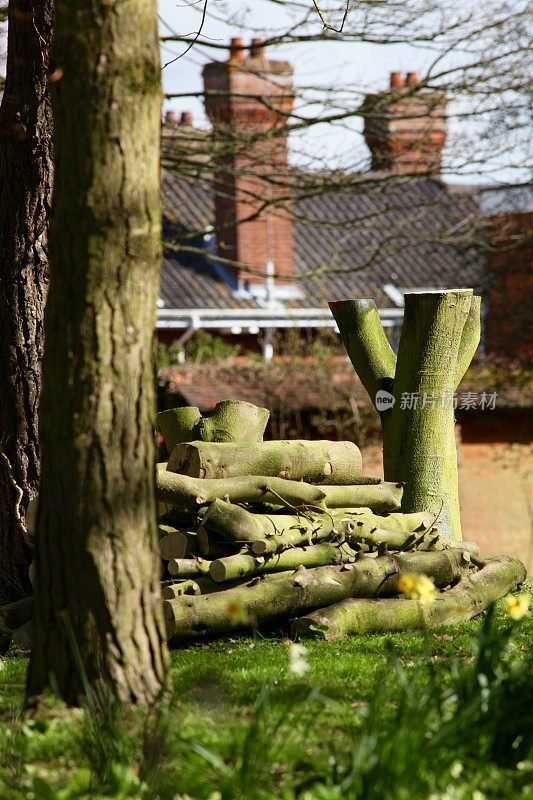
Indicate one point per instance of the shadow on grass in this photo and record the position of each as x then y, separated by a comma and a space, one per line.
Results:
415, 723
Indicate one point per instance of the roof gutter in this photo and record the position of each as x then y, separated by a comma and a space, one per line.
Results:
176, 318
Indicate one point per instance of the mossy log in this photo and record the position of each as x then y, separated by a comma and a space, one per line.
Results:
421, 448
177, 425
317, 555
240, 525
269, 601
320, 462
174, 543
192, 493
187, 567
380, 497
439, 335
203, 584
171, 590
370, 539
272, 533
417, 521
231, 421
468, 598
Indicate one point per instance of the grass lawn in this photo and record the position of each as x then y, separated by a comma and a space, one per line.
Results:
397, 716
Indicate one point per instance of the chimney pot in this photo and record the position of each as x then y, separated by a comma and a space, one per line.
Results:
236, 49
412, 79
257, 49
396, 80
171, 118
186, 118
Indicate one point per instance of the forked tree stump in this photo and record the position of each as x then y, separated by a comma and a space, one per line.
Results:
440, 334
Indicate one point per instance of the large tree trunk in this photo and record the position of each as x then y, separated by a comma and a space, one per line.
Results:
98, 593
25, 192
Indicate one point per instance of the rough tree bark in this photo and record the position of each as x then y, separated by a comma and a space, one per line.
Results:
440, 334
98, 592
25, 194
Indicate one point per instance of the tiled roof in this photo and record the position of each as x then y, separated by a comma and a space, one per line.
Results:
347, 244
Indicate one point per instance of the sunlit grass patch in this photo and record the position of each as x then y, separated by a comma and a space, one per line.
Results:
436, 716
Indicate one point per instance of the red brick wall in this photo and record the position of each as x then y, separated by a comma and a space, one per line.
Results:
509, 324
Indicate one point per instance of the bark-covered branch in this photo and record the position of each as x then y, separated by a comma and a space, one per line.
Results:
191, 493
266, 602
320, 462
366, 343
468, 598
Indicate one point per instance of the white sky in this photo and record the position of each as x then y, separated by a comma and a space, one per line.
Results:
360, 65
363, 66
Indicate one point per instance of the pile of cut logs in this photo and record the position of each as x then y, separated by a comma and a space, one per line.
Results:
264, 533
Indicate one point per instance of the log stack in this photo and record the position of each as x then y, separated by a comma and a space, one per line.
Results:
260, 532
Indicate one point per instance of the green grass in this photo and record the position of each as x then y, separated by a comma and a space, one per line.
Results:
436, 717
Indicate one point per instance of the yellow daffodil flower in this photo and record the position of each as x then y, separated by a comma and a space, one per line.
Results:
517, 607
416, 586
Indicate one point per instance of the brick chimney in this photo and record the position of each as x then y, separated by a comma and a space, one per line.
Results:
405, 127
247, 100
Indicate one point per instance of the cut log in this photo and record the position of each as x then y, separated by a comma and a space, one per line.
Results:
177, 425
267, 602
240, 525
211, 545
317, 555
23, 637
320, 462
177, 544
468, 598
192, 493
231, 421
203, 584
171, 590
187, 567
172, 545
